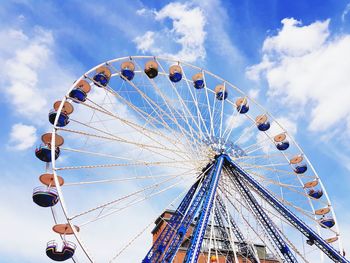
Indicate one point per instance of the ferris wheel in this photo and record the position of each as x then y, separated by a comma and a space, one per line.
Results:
156, 160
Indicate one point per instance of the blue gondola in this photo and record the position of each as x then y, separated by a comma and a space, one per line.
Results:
67, 251
43, 152
242, 105
243, 109
78, 94
220, 92
282, 146
300, 169
198, 81
101, 80
199, 84
264, 126
262, 123
175, 73
62, 121
151, 69
317, 194
45, 197
221, 95
176, 77
327, 222
127, 70
102, 76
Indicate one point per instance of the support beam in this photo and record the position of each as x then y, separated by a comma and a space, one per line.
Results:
198, 234
168, 232
262, 217
244, 248
192, 210
328, 249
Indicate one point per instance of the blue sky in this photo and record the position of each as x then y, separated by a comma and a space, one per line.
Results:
293, 55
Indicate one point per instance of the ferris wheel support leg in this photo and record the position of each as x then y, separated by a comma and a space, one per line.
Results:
244, 247
238, 173
262, 217
201, 226
170, 229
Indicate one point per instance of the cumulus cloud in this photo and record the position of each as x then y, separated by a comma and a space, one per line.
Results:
33, 79
295, 39
187, 31
307, 70
145, 42
22, 136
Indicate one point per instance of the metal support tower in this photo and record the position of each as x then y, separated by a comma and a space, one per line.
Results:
262, 217
246, 249
190, 214
224, 235
242, 175
168, 232
198, 234
203, 193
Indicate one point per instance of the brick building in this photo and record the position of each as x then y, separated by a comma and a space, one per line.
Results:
222, 251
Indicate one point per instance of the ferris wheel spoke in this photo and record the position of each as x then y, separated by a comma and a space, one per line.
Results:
214, 117
245, 133
146, 164
222, 114
263, 165
195, 100
167, 102
230, 127
274, 182
105, 155
133, 125
309, 214
257, 157
127, 179
247, 223
256, 146
208, 104
125, 197
184, 108
133, 203
127, 245
249, 167
121, 140
141, 113
248, 245
153, 104
142, 129
182, 155
172, 109
290, 187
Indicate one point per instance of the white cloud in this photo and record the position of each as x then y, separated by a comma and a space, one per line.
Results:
145, 42
345, 12
22, 136
33, 79
295, 39
307, 71
187, 31
221, 39
253, 93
